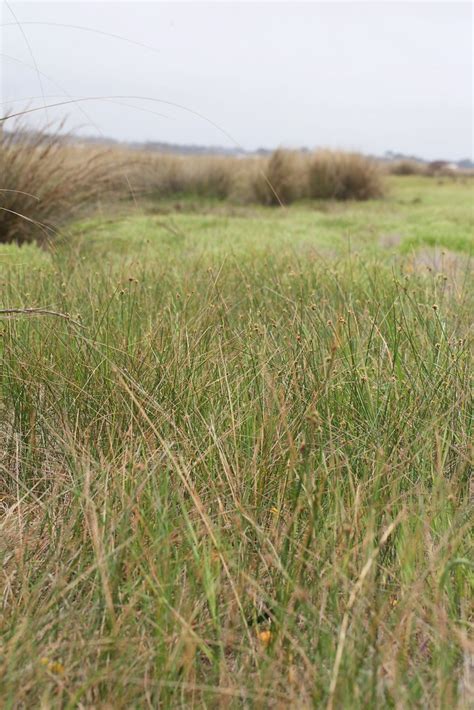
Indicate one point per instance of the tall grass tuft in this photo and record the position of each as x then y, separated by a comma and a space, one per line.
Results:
46, 180
43, 182
344, 176
407, 167
281, 179
212, 176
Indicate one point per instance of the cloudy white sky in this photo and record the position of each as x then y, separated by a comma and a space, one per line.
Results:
370, 76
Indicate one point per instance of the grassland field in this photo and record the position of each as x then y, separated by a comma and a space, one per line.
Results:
238, 473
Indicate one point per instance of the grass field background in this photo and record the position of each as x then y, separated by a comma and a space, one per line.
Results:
238, 474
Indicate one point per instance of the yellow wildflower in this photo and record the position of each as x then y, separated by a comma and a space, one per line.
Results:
52, 666
264, 637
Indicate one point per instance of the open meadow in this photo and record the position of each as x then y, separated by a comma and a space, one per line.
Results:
236, 453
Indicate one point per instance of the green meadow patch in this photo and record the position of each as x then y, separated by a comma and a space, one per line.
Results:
236, 458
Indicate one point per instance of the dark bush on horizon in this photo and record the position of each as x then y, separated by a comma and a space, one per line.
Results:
407, 167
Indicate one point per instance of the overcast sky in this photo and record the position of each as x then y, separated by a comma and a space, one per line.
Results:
370, 76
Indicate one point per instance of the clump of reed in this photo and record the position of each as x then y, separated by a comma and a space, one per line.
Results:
282, 178
344, 176
45, 181
407, 167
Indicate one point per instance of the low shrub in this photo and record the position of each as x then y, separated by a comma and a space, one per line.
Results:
163, 175
344, 176
282, 178
211, 176
407, 167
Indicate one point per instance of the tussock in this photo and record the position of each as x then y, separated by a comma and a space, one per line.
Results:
407, 167
44, 182
344, 176
282, 179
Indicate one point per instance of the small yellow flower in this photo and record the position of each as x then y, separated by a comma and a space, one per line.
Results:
57, 668
52, 666
264, 637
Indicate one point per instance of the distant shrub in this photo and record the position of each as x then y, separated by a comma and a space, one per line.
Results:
245, 180
211, 176
441, 168
43, 181
153, 175
282, 179
162, 175
344, 176
46, 180
407, 167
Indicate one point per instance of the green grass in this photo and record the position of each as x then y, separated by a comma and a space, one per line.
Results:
418, 212
263, 409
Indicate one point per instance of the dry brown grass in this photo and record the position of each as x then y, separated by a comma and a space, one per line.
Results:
407, 167
343, 176
282, 178
159, 175
44, 181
